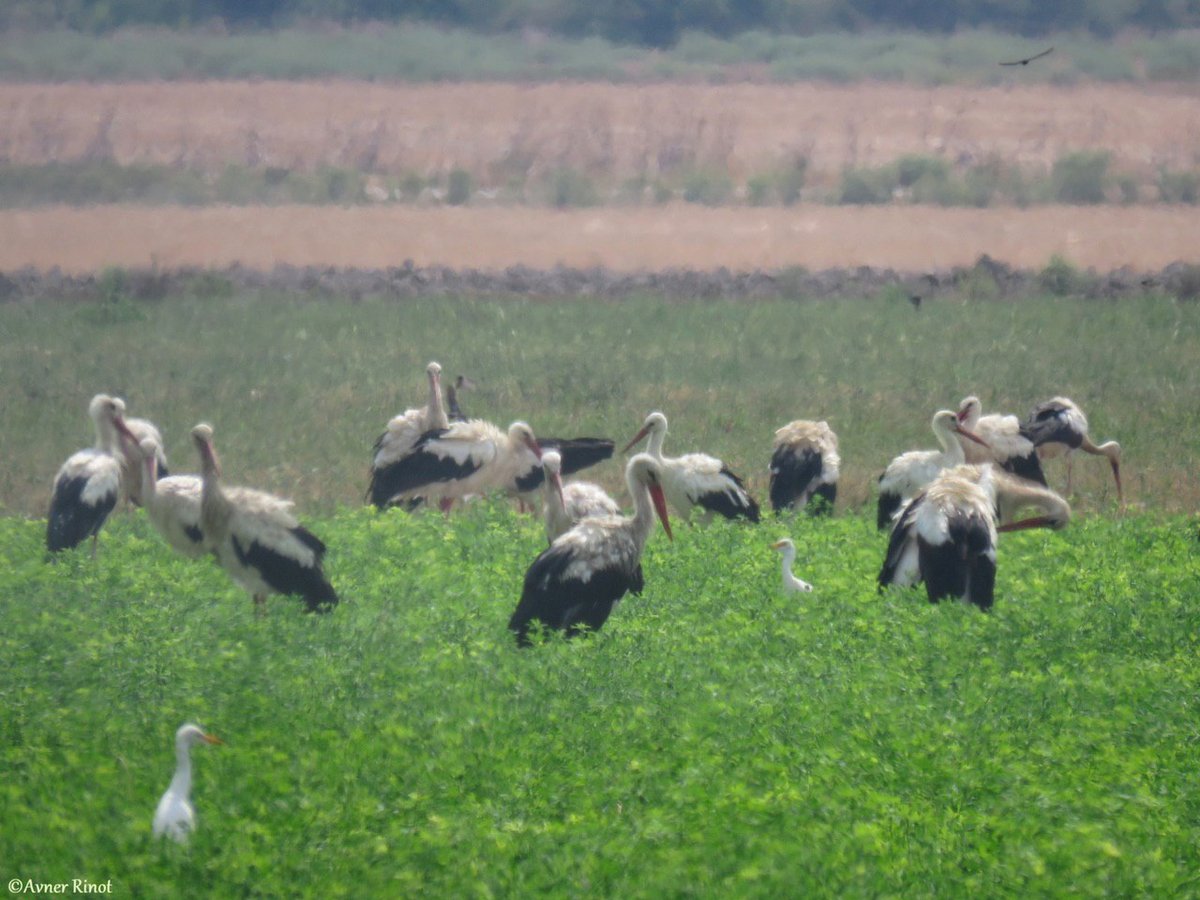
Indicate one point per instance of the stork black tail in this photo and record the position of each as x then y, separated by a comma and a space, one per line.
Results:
578, 453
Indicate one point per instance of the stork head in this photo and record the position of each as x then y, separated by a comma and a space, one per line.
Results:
655, 423
149, 447
969, 411
520, 434
109, 412
434, 371
202, 437
947, 421
463, 383
191, 734
644, 469
552, 466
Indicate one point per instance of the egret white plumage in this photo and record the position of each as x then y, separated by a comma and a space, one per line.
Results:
804, 465
130, 457
911, 471
175, 818
696, 479
1006, 444
564, 505
578, 580
401, 435
1058, 427
256, 539
787, 552
947, 534
88, 484
172, 504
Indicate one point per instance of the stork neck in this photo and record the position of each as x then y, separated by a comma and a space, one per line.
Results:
106, 435
437, 412
643, 510
149, 481
952, 447
655, 448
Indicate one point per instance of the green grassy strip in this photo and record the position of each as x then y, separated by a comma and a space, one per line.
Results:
298, 387
717, 739
425, 53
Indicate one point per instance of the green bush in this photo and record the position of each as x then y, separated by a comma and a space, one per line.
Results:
1081, 177
1179, 187
1062, 279
567, 187
459, 186
707, 187
863, 187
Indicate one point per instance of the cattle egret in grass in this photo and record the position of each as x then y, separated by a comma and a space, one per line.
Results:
791, 584
175, 817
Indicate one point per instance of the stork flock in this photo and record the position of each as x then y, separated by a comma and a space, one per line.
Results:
943, 508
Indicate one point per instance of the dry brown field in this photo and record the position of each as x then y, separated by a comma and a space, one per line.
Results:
618, 129
503, 130
909, 239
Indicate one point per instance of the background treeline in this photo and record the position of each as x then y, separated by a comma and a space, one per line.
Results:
657, 23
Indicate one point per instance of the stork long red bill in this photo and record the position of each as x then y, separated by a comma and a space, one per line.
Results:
971, 435
660, 506
637, 437
1034, 522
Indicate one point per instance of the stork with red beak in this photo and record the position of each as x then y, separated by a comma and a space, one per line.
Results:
1059, 427
577, 581
1007, 445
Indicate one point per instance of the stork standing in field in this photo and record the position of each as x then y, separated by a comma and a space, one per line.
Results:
1006, 443
947, 534
696, 479
88, 484
1058, 426
804, 465
401, 436
130, 457
791, 584
911, 471
172, 504
578, 580
466, 458
174, 817
563, 506
256, 538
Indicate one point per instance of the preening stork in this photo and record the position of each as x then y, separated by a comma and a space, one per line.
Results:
947, 534
174, 817
576, 581
401, 436
461, 383
467, 458
88, 484
787, 552
1058, 426
696, 479
172, 504
804, 465
564, 505
1006, 443
911, 471
130, 457
256, 538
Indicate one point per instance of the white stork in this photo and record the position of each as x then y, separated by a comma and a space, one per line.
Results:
461, 383
1006, 444
564, 505
466, 458
573, 453
696, 479
174, 817
256, 538
804, 465
401, 435
172, 504
578, 580
791, 584
1058, 426
911, 471
88, 484
130, 457
947, 534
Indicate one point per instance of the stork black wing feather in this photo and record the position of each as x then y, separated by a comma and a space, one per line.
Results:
415, 470
791, 474
287, 576
566, 604
71, 521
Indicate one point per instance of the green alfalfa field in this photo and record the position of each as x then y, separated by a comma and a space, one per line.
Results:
716, 738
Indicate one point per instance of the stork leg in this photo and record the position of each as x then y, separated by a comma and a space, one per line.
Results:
260, 605
95, 541
444, 505
1070, 457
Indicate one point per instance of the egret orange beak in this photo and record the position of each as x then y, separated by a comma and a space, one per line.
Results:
779, 544
211, 739
660, 507
637, 437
